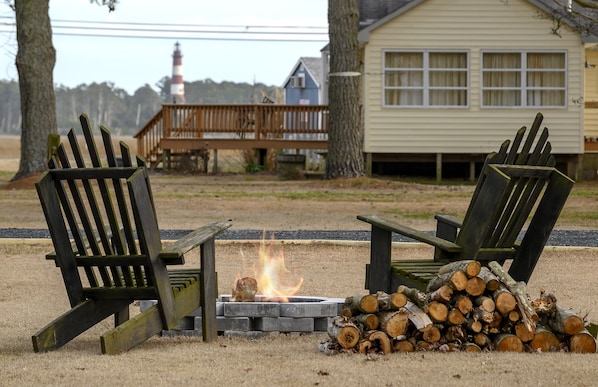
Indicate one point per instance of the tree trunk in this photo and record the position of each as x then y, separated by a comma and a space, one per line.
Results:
35, 64
345, 137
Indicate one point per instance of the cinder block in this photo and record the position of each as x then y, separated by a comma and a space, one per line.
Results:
284, 324
243, 324
308, 309
181, 333
321, 324
247, 335
251, 309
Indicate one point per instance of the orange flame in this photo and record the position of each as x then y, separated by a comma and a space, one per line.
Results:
274, 280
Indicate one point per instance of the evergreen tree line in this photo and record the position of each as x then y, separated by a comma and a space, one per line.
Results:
125, 114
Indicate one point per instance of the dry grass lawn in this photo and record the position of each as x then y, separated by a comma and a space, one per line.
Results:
32, 293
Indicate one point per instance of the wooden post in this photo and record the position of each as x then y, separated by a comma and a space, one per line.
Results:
438, 167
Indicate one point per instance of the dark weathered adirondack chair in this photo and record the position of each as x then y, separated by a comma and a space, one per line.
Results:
506, 196
107, 245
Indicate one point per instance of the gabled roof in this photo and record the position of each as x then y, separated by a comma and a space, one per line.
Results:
379, 12
313, 65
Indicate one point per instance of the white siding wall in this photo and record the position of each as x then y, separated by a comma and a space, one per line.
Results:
591, 93
473, 25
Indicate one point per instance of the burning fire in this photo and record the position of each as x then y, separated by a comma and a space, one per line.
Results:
274, 280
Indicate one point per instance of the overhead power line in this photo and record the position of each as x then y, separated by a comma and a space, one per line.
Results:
135, 30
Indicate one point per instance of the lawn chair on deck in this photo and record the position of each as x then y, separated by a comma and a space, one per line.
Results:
514, 186
107, 245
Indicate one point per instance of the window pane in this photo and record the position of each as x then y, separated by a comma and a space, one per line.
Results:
404, 78
448, 78
545, 79
448, 60
448, 97
502, 98
502, 61
546, 61
501, 79
404, 97
404, 60
546, 98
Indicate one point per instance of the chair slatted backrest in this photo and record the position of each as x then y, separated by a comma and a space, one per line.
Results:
105, 244
493, 223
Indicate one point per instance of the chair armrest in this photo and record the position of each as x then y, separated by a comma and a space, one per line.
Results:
392, 226
449, 220
173, 254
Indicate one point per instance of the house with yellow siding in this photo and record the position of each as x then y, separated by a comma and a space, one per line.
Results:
445, 82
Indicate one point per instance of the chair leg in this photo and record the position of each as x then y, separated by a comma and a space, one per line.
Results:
74, 322
132, 332
208, 288
380, 269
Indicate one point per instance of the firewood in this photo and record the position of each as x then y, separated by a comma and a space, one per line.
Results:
485, 302
455, 333
582, 342
469, 267
344, 332
369, 320
431, 334
464, 304
455, 317
417, 316
545, 304
456, 279
482, 315
528, 314
565, 321
346, 312
496, 320
475, 286
393, 301
544, 340
364, 303
471, 347
522, 331
489, 278
437, 311
506, 342
414, 295
330, 347
245, 290
364, 346
514, 315
474, 326
403, 346
482, 340
504, 300
380, 341
442, 294
394, 323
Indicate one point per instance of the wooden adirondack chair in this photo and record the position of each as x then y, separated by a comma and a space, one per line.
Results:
505, 197
107, 245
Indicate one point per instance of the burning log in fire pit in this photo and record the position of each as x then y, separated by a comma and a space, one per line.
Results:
467, 308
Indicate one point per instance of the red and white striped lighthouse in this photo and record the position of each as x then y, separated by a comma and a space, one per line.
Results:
177, 87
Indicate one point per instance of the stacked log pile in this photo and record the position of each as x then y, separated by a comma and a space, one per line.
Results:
466, 308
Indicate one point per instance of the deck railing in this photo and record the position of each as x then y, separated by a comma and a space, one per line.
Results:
251, 126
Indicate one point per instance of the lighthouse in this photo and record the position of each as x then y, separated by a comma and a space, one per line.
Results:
177, 87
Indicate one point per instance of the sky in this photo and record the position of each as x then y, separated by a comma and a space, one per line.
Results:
217, 39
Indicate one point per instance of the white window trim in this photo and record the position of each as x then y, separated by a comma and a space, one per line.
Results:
523, 88
426, 81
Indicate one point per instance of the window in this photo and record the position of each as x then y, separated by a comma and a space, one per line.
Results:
426, 78
298, 82
524, 79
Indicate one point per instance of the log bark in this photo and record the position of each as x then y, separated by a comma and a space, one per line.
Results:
393, 301
368, 320
545, 304
455, 333
418, 317
522, 331
344, 332
485, 302
469, 267
394, 323
456, 279
528, 314
492, 282
471, 347
565, 321
414, 295
364, 303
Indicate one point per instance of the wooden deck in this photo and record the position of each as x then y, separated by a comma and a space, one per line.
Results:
186, 128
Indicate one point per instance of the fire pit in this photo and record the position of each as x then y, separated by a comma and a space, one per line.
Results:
263, 316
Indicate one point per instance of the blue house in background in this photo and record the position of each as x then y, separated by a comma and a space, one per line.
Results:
305, 86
